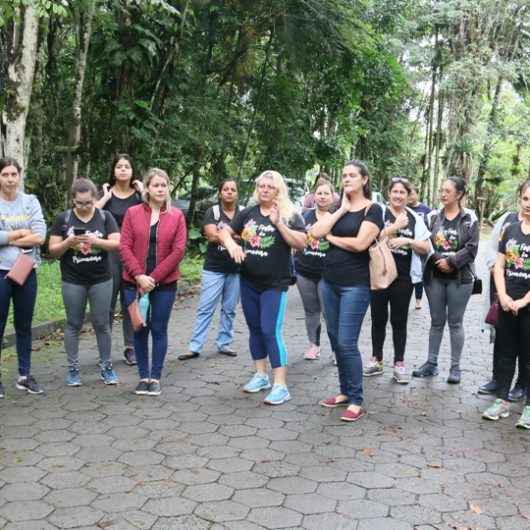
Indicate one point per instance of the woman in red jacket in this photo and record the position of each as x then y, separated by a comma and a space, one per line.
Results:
153, 240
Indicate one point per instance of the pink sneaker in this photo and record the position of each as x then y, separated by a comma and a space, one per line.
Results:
312, 353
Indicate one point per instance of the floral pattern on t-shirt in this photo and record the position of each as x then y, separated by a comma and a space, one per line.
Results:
517, 255
257, 236
446, 241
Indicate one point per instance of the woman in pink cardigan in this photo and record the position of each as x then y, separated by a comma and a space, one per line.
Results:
153, 240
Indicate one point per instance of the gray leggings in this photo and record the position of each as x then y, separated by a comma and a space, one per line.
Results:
310, 294
75, 298
447, 302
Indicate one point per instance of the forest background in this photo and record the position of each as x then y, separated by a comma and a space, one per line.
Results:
214, 89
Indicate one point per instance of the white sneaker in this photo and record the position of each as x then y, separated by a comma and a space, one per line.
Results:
401, 374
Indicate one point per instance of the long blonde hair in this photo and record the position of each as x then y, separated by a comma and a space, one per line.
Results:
286, 207
149, 176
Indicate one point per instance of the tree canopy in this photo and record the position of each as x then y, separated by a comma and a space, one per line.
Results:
209, 90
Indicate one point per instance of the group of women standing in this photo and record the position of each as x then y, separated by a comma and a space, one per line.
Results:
130, 240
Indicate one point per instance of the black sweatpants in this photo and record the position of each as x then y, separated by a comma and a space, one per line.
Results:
513, 337
398, 297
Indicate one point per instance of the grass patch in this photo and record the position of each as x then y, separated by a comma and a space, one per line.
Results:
191, 268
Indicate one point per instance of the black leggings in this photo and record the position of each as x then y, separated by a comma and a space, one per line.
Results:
398, 296
513, 338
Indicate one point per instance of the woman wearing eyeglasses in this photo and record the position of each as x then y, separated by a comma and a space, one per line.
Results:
449, 275
408, 239
82, 239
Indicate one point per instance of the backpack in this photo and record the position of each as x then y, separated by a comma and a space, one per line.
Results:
217, 211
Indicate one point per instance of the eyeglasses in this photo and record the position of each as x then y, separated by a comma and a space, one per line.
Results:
81, 204
399, 179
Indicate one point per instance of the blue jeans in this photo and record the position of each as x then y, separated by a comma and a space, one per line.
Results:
344, 310
215, 287
24, 297
161, 302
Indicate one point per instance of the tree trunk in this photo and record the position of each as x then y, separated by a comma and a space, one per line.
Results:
488, 142
84, 32
22, 58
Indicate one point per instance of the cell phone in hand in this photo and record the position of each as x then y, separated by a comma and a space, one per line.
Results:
79, 231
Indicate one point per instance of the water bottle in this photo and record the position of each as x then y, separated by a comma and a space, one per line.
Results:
143, 305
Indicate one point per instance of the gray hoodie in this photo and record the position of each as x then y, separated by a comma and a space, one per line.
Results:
23, 212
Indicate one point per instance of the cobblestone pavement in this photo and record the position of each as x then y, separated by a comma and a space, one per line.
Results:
206, 456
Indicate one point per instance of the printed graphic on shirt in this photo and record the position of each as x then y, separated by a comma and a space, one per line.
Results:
446, 241
315, 247
259, 237
517, 259
14, 222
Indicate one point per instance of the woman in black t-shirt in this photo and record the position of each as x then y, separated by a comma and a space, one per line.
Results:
120, 193
346, 281
220, 278
512, 279
82, 238
268, 231
308, 265
407, 237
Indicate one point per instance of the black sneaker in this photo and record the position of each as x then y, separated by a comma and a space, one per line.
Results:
154, 389
129, 357
488, 388
2, 392
426, 370
29, 384
454, 376
518, 393
142, 389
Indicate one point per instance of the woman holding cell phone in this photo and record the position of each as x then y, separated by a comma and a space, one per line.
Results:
82, 239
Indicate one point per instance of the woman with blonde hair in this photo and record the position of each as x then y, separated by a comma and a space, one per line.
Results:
268, 231
153, 240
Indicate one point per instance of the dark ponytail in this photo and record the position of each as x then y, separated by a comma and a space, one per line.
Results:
363, 170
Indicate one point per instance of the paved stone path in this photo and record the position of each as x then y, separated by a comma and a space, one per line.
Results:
205, 456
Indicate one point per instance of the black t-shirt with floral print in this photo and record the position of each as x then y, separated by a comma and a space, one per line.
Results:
402, 255
268, 262
446, 243
515, 245
310, 260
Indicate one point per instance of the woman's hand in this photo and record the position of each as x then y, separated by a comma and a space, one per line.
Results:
145, 283
398, 242
274, 214
517, 305
345, 205
507, 302
107, 192
402, 221
235, 252
444, 265
138, 185
13, 235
